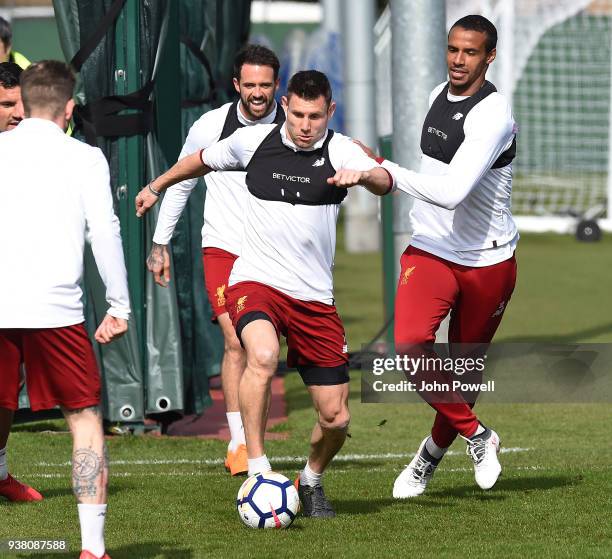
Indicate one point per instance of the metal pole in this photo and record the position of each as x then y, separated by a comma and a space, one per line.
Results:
505, 50
390, 268
417, 66
332, 15
609, 181
362, 229
609, 204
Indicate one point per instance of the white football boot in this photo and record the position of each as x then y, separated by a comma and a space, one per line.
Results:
483, 450
413, 480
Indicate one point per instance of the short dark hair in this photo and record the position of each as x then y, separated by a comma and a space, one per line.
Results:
9, 75
48, 84
480, 24
6, 33
310, 85
256, 55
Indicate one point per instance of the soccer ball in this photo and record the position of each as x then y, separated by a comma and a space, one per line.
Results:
267, 500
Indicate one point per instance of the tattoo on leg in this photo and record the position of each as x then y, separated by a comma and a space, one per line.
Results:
94, 409
86, 467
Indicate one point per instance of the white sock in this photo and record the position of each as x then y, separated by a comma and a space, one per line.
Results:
259, 465
480, 429
3, 468
310, 478
92, 519
234, 420
433, 449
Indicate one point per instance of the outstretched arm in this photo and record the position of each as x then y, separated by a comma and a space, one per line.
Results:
189, 167
472, 160
377, 180
355, 168
489, 130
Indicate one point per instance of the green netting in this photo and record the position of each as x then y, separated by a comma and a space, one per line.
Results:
218, 29
121, 362
142, 372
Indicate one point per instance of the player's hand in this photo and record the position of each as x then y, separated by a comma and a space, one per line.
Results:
158, 263
110, 329
145, 200
367, 150
345, 178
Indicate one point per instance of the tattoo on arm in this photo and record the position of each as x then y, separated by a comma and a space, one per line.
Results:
86, 468
156, 256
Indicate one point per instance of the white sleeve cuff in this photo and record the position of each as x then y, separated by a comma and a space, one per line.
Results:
161, 239
390, 167
119, 312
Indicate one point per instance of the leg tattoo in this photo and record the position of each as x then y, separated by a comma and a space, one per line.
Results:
86, 468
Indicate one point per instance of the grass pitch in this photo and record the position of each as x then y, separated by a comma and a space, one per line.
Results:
171, 499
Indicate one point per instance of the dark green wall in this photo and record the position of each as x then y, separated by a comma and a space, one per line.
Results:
37, 38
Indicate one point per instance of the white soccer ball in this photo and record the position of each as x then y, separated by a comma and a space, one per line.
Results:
267, 500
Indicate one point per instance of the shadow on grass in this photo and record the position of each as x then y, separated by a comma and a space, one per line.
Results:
57, 426
59, 492
361, 506
573, 337
537, 483
512, 485
133, 551
67, 491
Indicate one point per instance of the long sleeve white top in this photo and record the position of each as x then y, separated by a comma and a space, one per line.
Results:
225, 191
55, 189
462, 210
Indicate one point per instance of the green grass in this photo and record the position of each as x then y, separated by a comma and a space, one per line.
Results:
562, 293
168, 501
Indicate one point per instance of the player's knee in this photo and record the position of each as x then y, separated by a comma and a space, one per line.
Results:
263, 360
335, 417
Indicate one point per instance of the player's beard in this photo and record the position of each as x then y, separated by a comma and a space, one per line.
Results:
256, 112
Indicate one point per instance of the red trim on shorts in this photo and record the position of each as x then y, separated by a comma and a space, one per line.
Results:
314, 331
218, 264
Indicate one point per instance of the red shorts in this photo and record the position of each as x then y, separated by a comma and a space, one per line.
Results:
60, 365
429, 287
315, 335
218, 265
